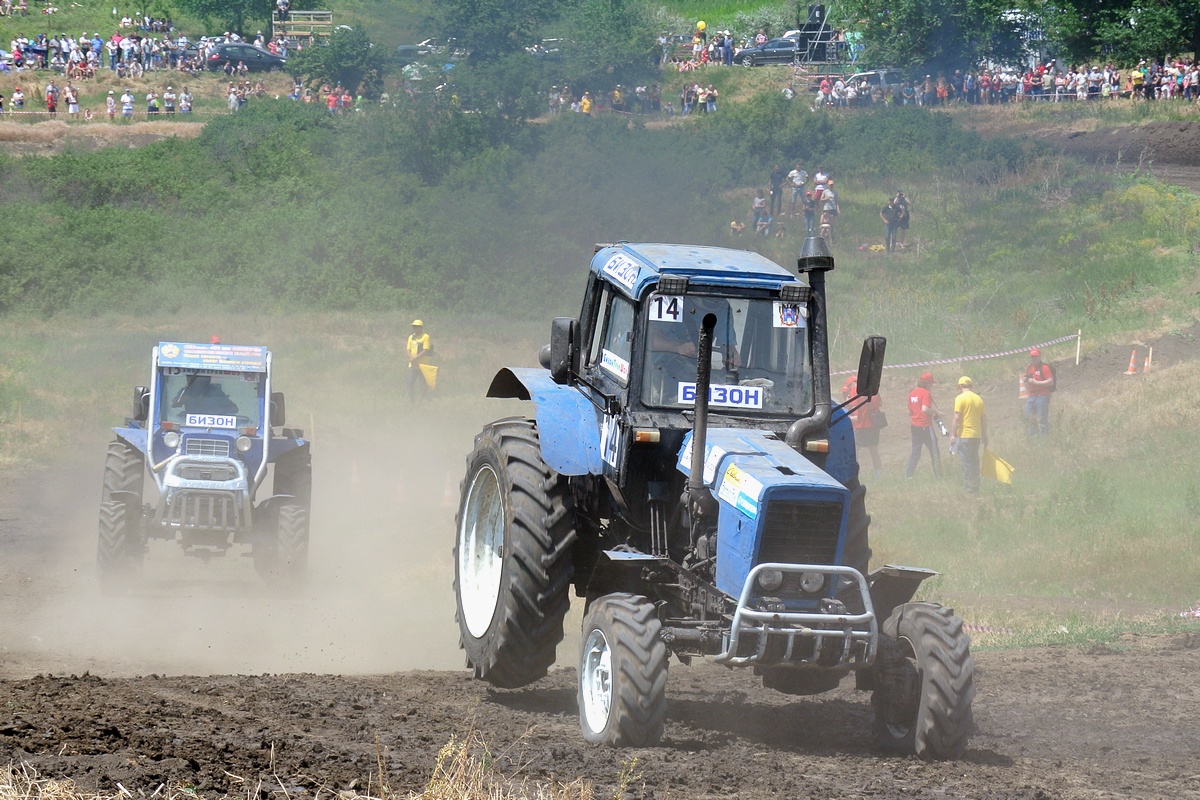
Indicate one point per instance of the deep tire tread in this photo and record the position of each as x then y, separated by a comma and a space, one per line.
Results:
942, 725
519, 646
119, 549
124, 470
639, 662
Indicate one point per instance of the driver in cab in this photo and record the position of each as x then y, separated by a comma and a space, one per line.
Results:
202, 396
674, 334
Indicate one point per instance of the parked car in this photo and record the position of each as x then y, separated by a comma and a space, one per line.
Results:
255, 58
775, 51
883, 78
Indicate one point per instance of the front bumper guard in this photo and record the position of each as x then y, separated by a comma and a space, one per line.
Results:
198, 504
827, 630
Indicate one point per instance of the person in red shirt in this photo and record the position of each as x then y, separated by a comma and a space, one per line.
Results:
922, 413
866, 429
1039, 380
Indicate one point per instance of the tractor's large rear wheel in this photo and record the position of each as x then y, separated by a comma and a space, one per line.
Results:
124, 471
119, 549
622, 672
925, 683
512, 556
281, 555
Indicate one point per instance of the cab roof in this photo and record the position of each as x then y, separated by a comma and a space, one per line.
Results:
212, 356
632, 267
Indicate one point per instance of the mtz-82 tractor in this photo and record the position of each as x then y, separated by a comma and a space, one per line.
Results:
687, 471
205, 432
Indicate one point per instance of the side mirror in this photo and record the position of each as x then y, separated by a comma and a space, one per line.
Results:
278, 410
870, 365
564, 349
141, 403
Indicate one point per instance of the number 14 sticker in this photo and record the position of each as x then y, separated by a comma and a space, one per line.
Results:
666, 308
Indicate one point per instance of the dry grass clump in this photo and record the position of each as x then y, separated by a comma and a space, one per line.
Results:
465, 770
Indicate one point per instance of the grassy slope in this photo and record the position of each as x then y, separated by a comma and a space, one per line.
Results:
1092, 518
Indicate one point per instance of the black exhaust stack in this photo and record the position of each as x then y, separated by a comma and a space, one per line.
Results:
815, 260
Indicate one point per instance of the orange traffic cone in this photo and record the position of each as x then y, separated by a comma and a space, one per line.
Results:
1132, 363
1149, 360
1023, 394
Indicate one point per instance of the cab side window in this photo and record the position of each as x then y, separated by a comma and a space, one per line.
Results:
612, 342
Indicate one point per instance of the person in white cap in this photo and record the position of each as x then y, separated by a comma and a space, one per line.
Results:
420, 348
169, 97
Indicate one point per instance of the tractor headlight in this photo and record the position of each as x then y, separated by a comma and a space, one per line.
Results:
171, 439
243, 444
770, 580
811, 582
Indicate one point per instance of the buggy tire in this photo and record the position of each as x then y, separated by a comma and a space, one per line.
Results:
119, 549
515, 530
622, 672
281, 555
293, 476
925, 683
124, 471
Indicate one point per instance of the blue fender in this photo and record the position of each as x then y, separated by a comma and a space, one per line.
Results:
842, 462
568, 424
135, 437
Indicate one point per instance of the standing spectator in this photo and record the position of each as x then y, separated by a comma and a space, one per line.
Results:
151, 104
52, 98
969, 433
902, 220
185, 101
758, 208
889, 215
864, 421
169, 97
797, 178
712, 98
127, 104
829, 200
810, 214
1039, 381
776, 184
420, 348
71, 94
110, 105
922, 412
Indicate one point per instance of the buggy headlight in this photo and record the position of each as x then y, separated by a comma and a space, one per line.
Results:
770, 579
811, 582
171, 439
243, 444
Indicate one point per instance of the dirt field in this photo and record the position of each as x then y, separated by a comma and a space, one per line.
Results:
238, 686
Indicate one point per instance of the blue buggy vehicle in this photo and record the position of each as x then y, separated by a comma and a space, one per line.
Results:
206, 430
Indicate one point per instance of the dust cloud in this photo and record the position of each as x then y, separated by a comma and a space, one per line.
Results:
378, 598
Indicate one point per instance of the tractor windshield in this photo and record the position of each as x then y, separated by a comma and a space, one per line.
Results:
760, 354
211, 399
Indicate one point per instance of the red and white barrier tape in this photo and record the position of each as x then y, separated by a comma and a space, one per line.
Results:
988, 629
1191, 613
959, 359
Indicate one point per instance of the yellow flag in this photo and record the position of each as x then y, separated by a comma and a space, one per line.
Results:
429, 371
996, 467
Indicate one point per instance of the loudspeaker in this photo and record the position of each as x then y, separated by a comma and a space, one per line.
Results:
816, 14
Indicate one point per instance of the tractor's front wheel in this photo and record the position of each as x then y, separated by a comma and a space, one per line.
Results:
124, 471
119, 549
622, 673
512, 556
925, 683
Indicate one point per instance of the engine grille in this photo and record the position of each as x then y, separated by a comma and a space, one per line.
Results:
796, 532
207, 472
207, 447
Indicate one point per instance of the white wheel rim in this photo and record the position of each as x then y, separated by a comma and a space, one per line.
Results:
595, 681
481, 551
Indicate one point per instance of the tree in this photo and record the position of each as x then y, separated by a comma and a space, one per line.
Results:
233, 14
346, 56
937, 34
491, 28
606, 42
1126, 30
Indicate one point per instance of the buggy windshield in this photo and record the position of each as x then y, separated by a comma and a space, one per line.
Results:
760, 355
211, 399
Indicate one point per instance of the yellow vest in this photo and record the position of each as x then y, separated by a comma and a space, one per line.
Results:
418, 344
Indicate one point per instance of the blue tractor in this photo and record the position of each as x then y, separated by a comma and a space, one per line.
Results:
686, 471
205, 430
